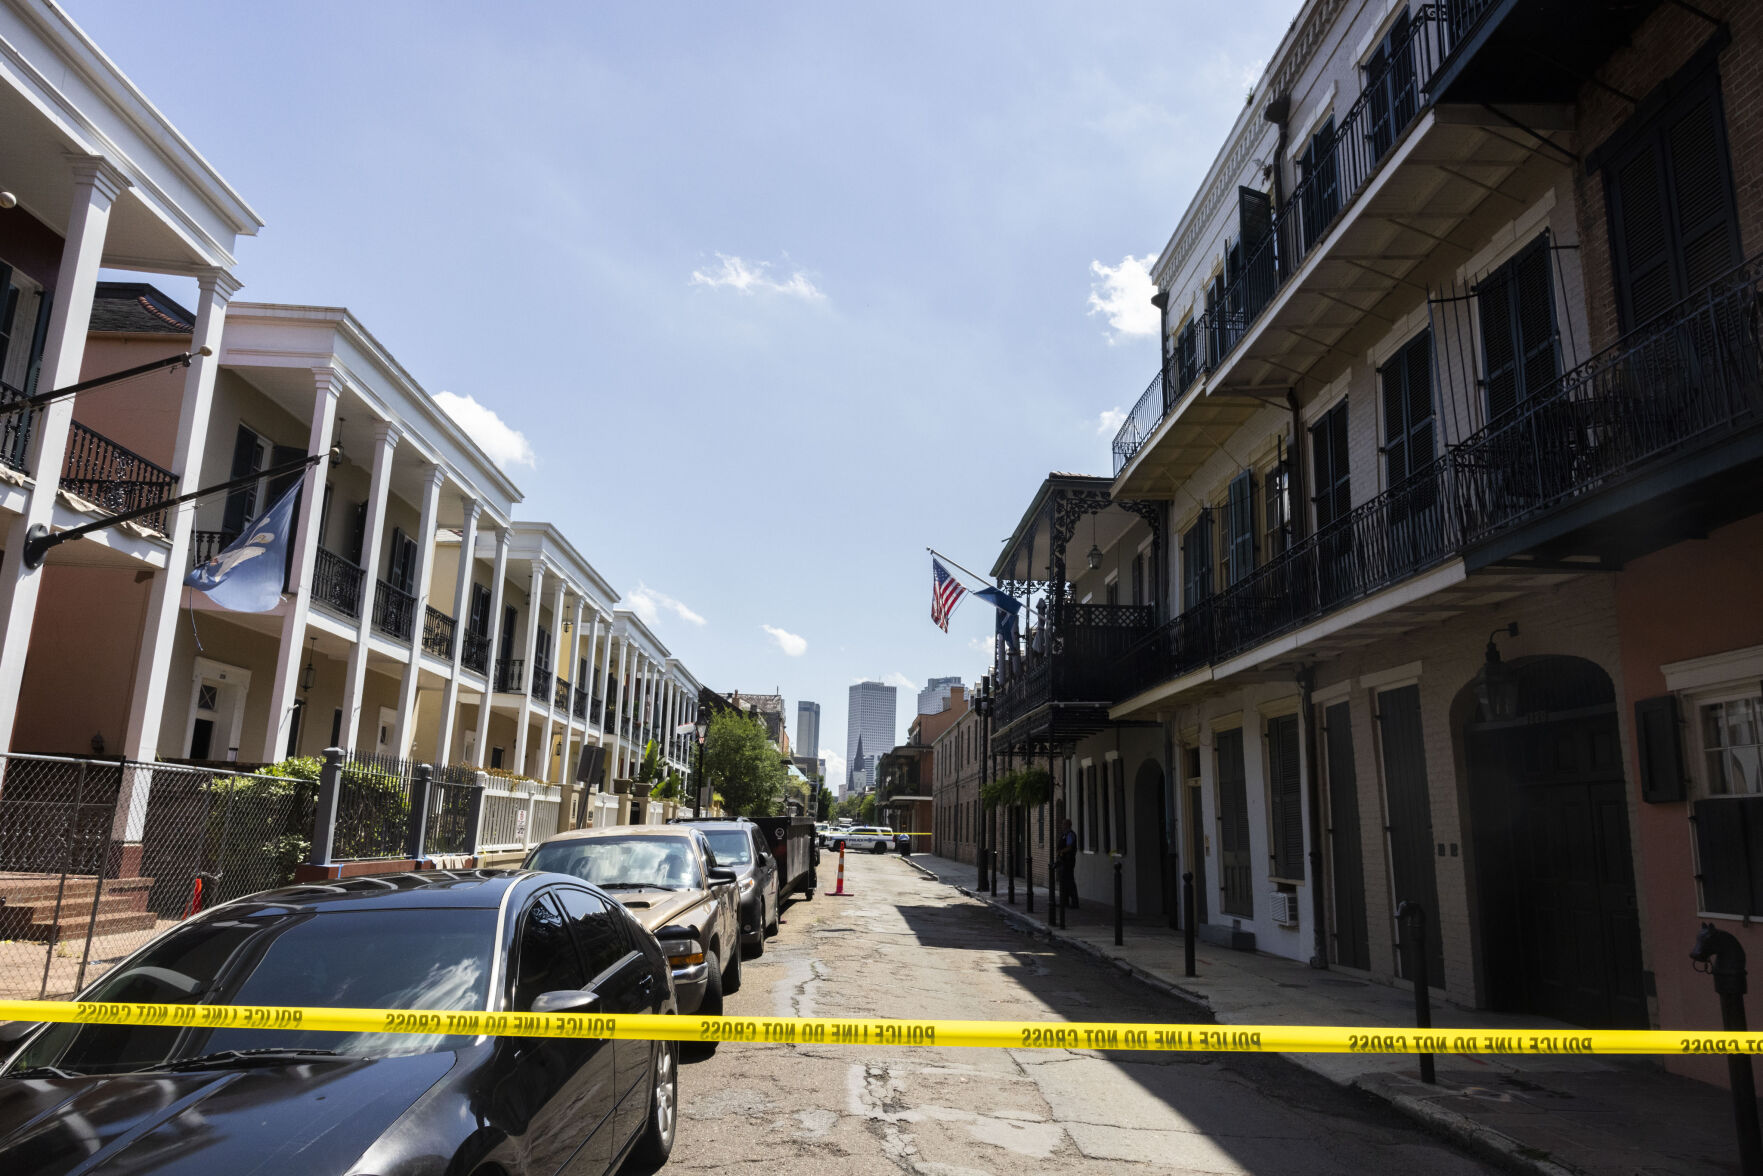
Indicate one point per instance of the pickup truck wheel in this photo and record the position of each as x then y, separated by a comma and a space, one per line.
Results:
711, 1007
731, 979
776, 914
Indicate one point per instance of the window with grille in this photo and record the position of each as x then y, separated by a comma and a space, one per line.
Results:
1196, 561
1669, 195
1239, 528
1328, 450
1277, 495
1406, 385
1389, 79
1516, 305
1319, 194
1729, 816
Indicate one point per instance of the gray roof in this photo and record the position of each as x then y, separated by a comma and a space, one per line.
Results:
136, 307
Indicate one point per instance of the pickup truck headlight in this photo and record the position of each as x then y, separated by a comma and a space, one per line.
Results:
746, 885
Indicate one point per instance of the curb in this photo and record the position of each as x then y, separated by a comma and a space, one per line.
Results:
1487, 1143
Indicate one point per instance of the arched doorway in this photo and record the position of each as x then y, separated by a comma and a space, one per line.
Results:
1149, 840
1560, 934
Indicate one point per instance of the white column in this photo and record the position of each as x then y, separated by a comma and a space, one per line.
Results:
549, 686
386, 437
671, 741
483, 711
425, 566
603, 674
535, 589
574, 653
616, 730
96, 186
147, 700
327, 387
461, 602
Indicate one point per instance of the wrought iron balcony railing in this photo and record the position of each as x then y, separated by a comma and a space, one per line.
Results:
437, 633
1147, 413
511, 675
539, 686
15, 429
1665, 393
394, 611
336, 584
1077, 668
560, 693
474, 654
579, 704
599, 712
112, 478
205, 545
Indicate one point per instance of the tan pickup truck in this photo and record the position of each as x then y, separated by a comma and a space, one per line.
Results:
667, 876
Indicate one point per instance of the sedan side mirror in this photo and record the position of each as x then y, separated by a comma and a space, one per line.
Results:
566, 1000
722, 876
13, 1032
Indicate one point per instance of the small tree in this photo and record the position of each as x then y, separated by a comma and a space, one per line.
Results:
866, 809
824, 804
742, 766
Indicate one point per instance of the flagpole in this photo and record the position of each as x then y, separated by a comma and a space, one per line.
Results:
975, 575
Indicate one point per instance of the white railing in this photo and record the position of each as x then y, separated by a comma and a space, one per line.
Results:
517, 814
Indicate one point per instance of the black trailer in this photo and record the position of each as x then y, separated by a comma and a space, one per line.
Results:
792, 840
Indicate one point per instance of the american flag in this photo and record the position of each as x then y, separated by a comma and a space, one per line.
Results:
945, 593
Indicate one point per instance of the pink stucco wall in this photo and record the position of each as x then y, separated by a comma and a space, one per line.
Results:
1697, 598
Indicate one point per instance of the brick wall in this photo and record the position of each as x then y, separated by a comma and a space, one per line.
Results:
1662, 44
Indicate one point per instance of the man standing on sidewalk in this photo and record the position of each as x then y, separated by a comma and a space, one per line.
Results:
1068, 863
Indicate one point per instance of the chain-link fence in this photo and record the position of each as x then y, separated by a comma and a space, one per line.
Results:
96, 856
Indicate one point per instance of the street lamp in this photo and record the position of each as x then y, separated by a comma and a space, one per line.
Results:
982, 706
1496, 687
702, 728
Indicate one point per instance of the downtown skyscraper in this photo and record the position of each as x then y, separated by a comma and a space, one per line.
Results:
807, 728
869, 723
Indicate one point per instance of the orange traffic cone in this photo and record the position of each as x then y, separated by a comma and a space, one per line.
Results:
840, 887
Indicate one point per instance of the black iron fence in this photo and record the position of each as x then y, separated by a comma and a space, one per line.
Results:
394, 611
336, 583
16, 426
475, 654
96, 856
1147, 413
437, 633
113, 478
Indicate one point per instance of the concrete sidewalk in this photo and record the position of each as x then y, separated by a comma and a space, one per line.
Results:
1596, 1116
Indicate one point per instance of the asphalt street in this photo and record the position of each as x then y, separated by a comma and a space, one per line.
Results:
901, 945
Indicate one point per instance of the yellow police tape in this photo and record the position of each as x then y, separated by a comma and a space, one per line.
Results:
879, 1031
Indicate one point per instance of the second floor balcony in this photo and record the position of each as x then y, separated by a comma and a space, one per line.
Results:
113, 478
337, 583
394, 611
474, 652
510, 676
1071, 667
437, 633
1655, 440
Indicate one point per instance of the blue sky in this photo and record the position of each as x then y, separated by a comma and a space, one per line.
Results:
768, 297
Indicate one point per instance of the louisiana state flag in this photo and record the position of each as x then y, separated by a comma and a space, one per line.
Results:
247, 576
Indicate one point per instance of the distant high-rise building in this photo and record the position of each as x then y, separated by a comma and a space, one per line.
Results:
808, 728
934, 698
869, 718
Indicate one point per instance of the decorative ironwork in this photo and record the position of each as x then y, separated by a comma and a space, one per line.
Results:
579, 705
336, 583
112, 478
205, 545
1141, 422
510, 675
475, 653
437, 633
394, 611
540, 685
560, 693
15, 429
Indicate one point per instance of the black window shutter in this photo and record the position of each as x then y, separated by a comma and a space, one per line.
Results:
8, 308
1328, 459
1187, 356
358, 535
480, 610
1255, 233
240, 503
1534, 312
1406, 385
1660, 742
1286, 792
39, 339
1701, 189
395, 560
1196, 561
1729, 840
1241, 521
281, 455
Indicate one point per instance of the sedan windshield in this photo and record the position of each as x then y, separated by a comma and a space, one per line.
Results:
732, 847
660, 863
262, 955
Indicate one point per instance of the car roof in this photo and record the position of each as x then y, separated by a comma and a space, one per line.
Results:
710, 823
622, 831
408, 888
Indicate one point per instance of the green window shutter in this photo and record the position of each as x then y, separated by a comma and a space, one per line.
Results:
1285, 791
1241, 521
1660, 742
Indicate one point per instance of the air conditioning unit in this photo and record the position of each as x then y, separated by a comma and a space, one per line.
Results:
1284, 907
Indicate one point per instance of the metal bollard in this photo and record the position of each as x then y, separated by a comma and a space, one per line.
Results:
1188, 919
979, 862
1725, 960
1412, 914
1119, 901
1028, 875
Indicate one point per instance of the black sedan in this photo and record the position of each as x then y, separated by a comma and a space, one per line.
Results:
123, 1099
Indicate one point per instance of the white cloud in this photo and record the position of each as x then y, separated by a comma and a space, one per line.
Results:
792, 645
835, 768
505, 445
985, 645
1122, 294
1252, 73
901, 680
736, 273
1108, 421
650, 604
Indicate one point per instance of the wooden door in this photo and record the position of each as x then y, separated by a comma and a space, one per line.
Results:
1346, 852
1409, 805
1235, 862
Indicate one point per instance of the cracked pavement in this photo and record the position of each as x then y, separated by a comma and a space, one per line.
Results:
902, 945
